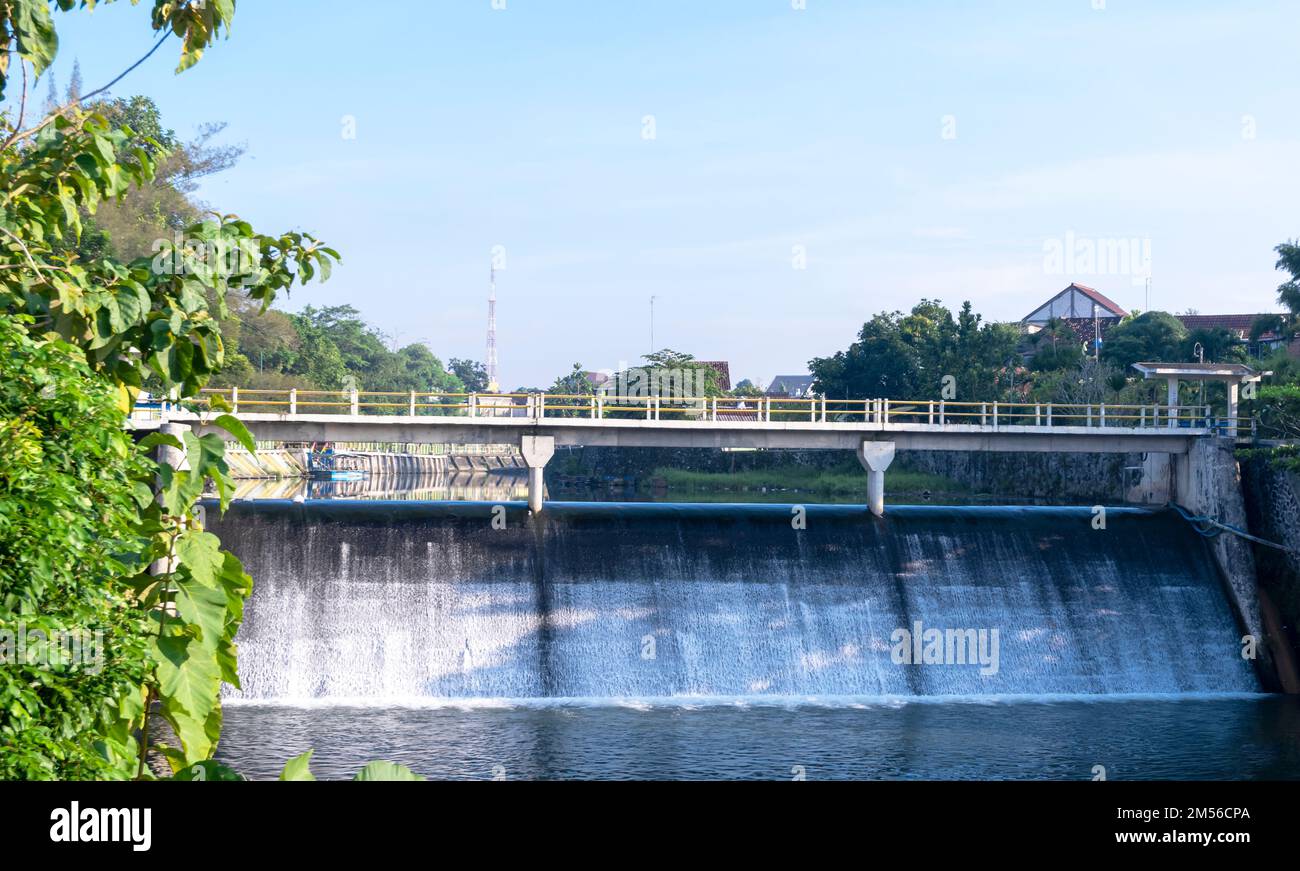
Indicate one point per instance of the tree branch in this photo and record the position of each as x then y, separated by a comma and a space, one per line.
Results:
17, 136
123, 74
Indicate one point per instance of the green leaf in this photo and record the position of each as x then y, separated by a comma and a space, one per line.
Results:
200, 552
381, 770
203, 607
297, 768
33, 30
189, 680
236, 428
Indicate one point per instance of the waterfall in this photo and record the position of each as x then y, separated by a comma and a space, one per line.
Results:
383, 602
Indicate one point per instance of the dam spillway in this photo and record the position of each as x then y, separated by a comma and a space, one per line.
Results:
413, 603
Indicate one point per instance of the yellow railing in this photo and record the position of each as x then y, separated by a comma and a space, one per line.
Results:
891, 412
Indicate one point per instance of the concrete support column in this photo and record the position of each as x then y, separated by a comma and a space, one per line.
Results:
1172, 401
1232, 407
875, 457
537, 452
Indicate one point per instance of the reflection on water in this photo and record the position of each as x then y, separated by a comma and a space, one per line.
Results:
495, 486
504, 485
1136, 739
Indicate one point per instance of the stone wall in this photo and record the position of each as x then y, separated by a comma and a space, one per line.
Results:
1273, 511
1076, 478
1208, 483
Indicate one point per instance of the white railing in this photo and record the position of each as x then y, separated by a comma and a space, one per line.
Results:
721, 409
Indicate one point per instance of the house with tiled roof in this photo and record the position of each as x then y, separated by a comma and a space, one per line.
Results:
1075, 301
1240, 327
722, 367
791, 386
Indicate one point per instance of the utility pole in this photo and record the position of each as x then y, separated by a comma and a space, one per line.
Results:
1096, 334
652, 324
493, 386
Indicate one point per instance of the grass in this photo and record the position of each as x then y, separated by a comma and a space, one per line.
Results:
822, 481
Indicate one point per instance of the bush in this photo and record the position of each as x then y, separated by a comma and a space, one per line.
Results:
67, 515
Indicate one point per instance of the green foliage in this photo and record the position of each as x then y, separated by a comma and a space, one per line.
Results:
1149, 337
80, 525
29, 25
1288, 293
320, 348
665, 373
576, 383
907, 356
472, 374
68, 536
298, 768
1219, 346
1056, 347
1278, 409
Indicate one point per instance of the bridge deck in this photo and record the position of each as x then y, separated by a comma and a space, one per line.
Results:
815, 423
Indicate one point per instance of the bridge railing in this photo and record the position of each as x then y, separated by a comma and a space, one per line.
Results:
721, 409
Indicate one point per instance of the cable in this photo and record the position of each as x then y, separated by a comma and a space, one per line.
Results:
1208, 527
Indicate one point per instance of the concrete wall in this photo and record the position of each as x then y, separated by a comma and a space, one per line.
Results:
1273, 511
1207, 482
1077, 478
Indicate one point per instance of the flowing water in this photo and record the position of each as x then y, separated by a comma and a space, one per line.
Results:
743, 636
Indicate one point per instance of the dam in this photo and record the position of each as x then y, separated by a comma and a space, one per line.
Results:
701, 641
410, 603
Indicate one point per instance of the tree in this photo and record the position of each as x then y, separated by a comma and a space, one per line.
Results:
1150, 337
62, 450
1288, 292
97, 330
134, 224
472, 374
413, 368
1218, 344
909, 356
575, 383
666, 373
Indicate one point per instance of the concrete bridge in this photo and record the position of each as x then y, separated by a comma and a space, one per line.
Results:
538, 423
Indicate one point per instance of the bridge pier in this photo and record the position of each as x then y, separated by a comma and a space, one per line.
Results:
537, 452
875, 457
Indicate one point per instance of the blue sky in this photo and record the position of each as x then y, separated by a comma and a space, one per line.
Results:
891, 150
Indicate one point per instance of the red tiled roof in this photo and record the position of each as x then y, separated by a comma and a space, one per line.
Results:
1239, 325
1099, 298
722, 368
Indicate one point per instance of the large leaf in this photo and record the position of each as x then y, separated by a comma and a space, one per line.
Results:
203, 607
200, 552
236, 428
298, 768
381, 770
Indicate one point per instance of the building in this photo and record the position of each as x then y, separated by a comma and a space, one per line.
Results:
791, 386
1090, 315
1076, 301
1240, 327
722, 367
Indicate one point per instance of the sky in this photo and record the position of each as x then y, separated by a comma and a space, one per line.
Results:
772, 175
